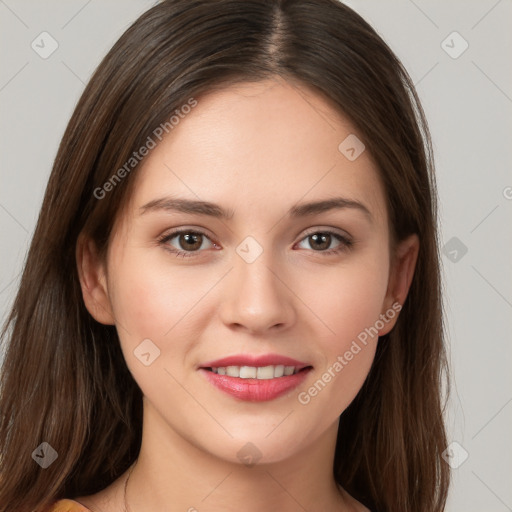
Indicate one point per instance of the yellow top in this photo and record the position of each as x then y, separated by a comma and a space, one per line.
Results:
67, 506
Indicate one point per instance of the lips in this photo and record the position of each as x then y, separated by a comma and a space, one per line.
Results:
266, 386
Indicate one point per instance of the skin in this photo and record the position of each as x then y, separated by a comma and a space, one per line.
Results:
258, 149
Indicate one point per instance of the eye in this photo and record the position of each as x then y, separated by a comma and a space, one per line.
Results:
321, 240
188, 242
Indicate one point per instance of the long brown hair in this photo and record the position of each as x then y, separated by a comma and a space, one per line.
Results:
64, 379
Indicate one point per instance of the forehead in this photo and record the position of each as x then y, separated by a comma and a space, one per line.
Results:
260, 145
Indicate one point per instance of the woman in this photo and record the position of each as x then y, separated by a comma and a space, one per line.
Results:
232, 294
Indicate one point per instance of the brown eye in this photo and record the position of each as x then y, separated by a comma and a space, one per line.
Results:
321, 241
186, 242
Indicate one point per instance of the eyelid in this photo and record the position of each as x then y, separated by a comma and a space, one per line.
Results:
171, 232
329, 229
178, 231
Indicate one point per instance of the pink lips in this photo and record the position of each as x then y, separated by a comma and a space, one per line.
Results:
255, 390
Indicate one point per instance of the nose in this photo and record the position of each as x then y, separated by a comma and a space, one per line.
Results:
256, 297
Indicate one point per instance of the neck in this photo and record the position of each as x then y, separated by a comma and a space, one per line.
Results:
173, 473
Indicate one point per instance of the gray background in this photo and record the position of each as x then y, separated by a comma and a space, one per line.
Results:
468, 102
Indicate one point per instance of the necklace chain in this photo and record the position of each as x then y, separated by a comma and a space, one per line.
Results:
126, 507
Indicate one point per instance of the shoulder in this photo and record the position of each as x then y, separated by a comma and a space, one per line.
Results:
67, 506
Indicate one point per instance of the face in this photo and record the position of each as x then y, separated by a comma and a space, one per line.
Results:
271, 276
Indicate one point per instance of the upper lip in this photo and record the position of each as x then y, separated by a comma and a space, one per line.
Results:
254, 360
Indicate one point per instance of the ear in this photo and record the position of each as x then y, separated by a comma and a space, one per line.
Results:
400, 278
93, 281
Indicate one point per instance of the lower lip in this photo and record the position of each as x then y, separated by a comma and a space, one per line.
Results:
255, 390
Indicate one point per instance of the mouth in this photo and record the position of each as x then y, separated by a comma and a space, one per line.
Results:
258, 382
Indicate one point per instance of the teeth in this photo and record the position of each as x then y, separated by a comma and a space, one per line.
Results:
265, 372
233, 371
288, 370
279, 370
253, 372
246, 372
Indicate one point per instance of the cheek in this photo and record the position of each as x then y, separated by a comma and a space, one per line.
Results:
150, 301
347, 299
152, 304
349, 303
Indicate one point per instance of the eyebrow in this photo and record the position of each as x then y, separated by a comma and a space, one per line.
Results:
214, 210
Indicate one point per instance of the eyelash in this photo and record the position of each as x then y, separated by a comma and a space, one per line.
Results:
345, 244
